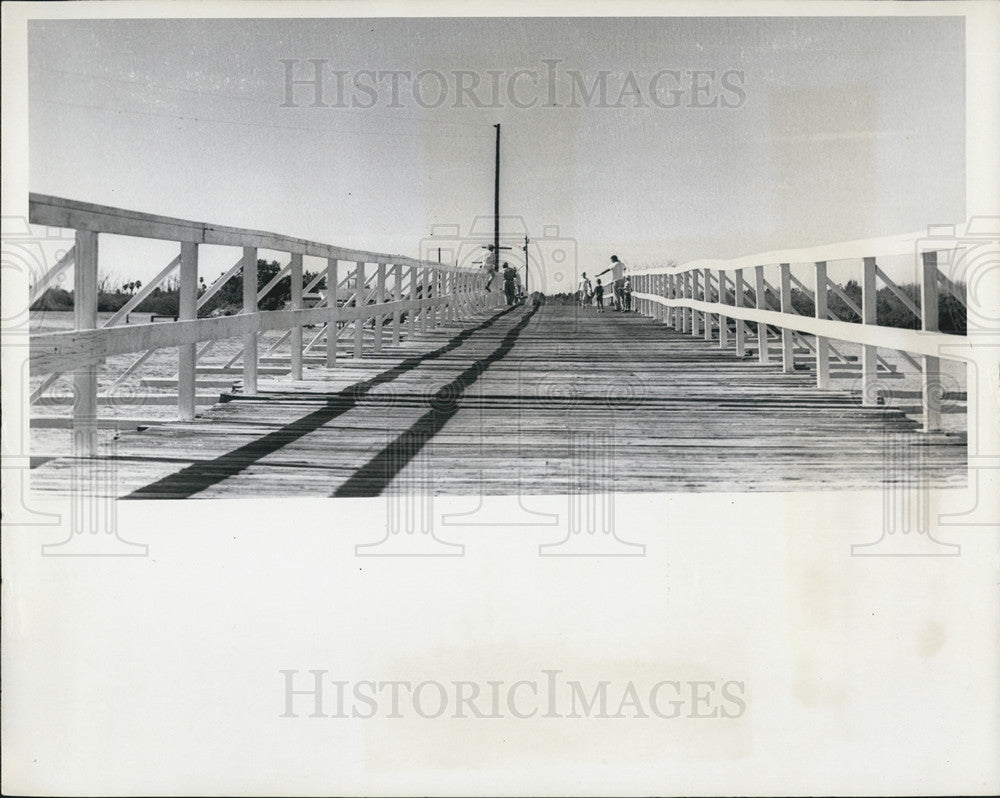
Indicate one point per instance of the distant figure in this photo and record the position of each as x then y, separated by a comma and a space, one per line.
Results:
586, 290
509, 283
617, 269
627, 294
490, 265
518, 288
599, 296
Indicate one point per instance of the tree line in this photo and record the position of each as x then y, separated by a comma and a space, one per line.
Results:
165, 300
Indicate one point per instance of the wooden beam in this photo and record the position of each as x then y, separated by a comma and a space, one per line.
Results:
707, 296
411, 317
187, 355
785, 294
85, 216
85, 318
950, 287
147, 289
397, 293
902, 297
216, 286
360, 283
822, 343
333, 308
723, 300
869, 364
739, 301
763, 356
930, 378
845, 298
42, 284
912, 341
695, 293
250, 308
295, 269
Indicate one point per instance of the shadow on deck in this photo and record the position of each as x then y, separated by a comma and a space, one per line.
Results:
546, 400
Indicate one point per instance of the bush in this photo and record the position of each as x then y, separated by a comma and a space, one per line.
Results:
54, 299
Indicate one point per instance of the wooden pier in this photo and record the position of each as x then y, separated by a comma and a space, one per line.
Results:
419, 381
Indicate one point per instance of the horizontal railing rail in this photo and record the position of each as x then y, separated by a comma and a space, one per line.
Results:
426, 294
701, 297
85, 216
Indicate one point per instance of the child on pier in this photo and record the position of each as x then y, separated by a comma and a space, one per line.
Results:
599, 296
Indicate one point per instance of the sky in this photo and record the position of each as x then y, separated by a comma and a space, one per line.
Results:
716, 137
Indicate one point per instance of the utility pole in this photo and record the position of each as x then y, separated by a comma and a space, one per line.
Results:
496, 199
526, 264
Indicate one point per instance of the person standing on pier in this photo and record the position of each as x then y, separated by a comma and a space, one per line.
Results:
617, 269
509, 283
599, 296
585, 290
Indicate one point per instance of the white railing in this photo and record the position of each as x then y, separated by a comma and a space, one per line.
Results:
700, 297
426, 294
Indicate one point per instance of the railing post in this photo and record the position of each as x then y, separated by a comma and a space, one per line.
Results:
187, 309
686, 312
438, 313
739, 299
295, 276
379, 302
250, 308
459, 294
694, 293
672, 291
397, 295
869, 354
425, 290
763, 354
707, 297
411, 314
449, 292
85, 318
787, 341
931, 374
332, 281
723, 300
360, 305
822, 343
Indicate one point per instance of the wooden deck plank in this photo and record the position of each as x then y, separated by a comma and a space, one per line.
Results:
524, 401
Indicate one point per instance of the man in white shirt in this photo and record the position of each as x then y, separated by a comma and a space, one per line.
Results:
617, 269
